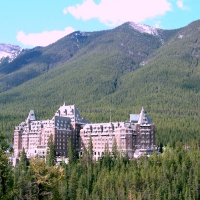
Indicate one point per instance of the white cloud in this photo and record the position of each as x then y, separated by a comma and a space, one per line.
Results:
42, 39
180, 4
116, 12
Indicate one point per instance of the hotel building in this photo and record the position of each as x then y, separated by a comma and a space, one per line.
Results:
32, 134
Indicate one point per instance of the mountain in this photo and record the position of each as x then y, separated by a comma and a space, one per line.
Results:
9, 51
123, 47
121, 70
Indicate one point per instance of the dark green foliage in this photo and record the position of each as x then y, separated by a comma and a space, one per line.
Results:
160, 148
23, 161
90, 151
115, 151
6, 178
71, 153
51, 152
73, 184
174, 174
20, 173
159, 177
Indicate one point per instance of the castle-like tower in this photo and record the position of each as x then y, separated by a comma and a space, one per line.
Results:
144, 128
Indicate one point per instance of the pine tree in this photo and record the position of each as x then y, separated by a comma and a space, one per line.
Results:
115, 148
20, 173
6, 178
161, 148
51, 153
90, 151
73, 184
23, 161
70, 153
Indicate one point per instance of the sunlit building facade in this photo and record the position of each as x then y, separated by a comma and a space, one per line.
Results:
137, 134
67, 124
33, 134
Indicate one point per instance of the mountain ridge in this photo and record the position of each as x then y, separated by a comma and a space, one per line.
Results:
37, 61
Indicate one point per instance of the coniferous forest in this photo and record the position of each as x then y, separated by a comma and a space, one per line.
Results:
173, 174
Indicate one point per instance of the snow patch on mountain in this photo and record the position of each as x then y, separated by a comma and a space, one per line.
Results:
10, 51
144, 28
180, 36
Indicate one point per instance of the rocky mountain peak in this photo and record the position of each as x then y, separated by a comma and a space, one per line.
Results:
10, 51
144, 28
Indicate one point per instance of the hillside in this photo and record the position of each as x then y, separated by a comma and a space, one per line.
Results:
122, 70
124, 46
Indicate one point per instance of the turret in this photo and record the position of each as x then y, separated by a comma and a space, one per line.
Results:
31, 116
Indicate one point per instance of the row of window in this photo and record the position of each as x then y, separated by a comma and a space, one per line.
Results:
59, 147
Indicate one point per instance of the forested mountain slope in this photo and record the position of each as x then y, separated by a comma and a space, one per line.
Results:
122, 70
39, 60
125, 47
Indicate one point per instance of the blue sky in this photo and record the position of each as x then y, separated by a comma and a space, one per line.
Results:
30, 23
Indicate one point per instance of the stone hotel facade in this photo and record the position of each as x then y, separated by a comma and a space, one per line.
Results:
33, 134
